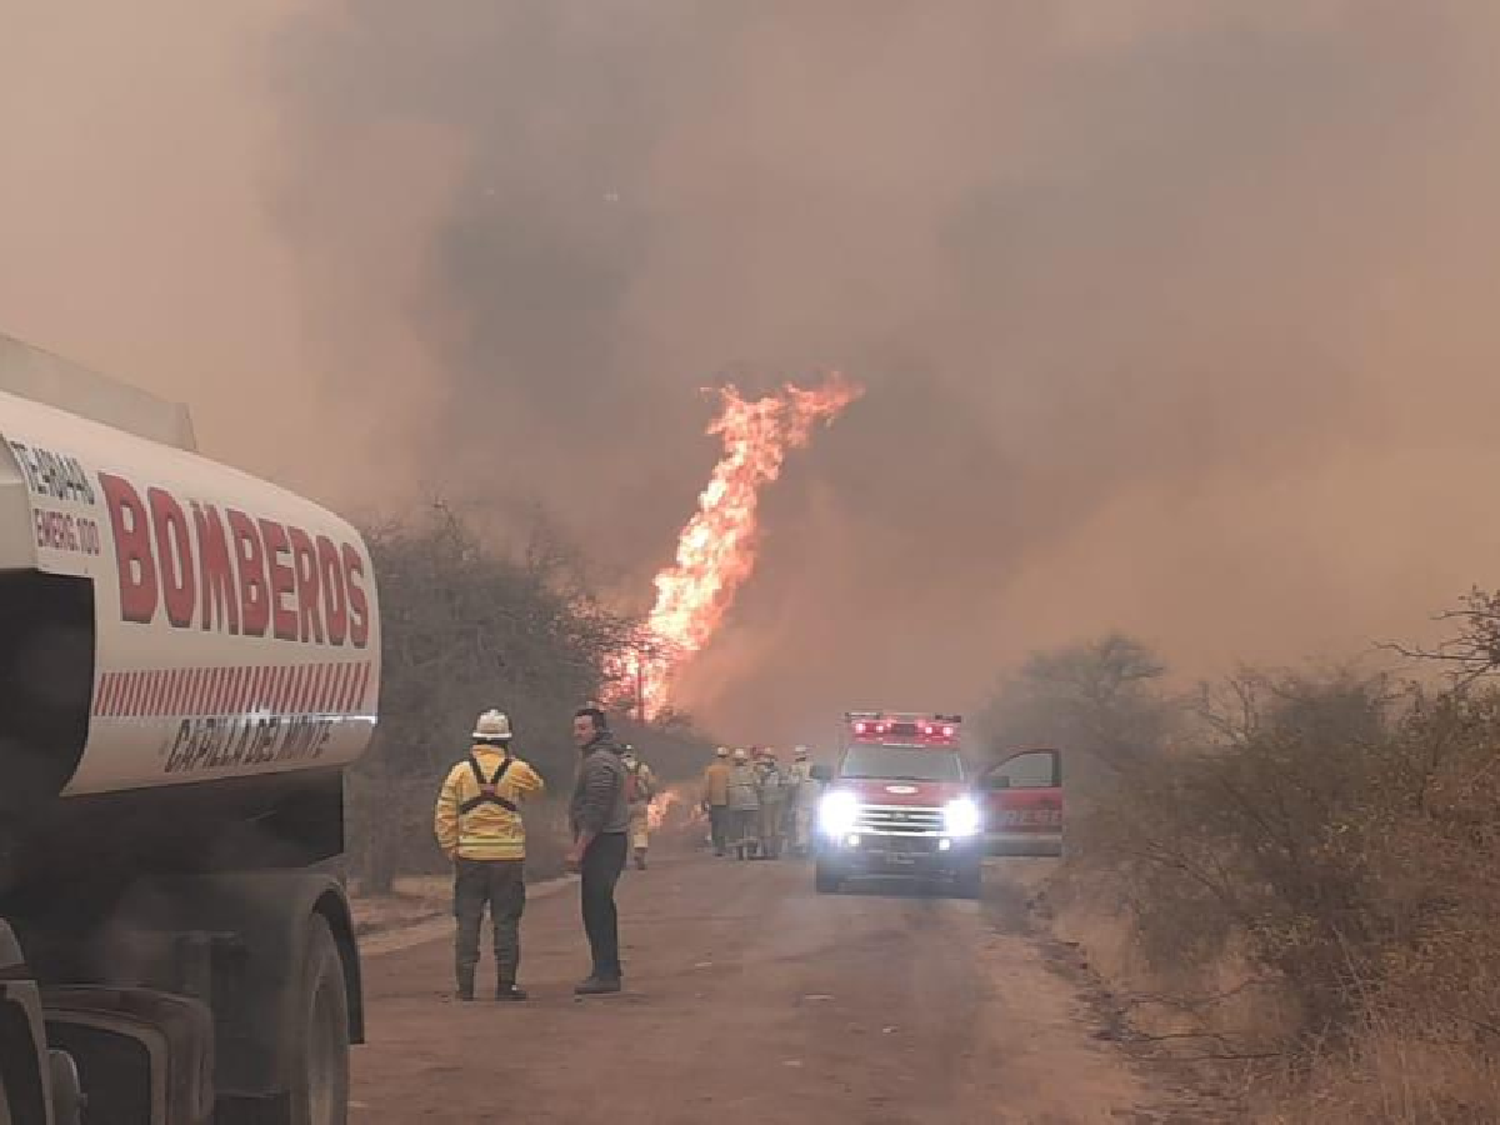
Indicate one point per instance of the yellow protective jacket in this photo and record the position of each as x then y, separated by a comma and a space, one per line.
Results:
716, 784
475, 821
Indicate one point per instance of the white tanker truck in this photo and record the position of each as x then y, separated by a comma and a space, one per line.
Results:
189, 657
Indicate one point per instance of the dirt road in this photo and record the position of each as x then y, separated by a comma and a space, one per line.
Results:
750, 999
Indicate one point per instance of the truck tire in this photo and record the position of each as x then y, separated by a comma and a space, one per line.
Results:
319, 1093
320, 1087
826, 880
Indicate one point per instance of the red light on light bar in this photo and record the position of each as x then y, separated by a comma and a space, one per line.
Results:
861, 728
948, 732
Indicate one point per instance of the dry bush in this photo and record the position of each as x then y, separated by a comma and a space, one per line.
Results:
1338, 843
1306, 867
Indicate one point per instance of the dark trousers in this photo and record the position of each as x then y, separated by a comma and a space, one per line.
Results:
602, 864
718, 824
500, 885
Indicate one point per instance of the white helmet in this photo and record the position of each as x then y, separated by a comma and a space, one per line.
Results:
802, 751
741, 756
492, 725
722, 752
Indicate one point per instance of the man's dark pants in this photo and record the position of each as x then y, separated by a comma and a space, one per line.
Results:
602, 865
718, 823
500, 885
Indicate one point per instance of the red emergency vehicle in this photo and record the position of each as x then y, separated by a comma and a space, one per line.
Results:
901, 803
1022, 799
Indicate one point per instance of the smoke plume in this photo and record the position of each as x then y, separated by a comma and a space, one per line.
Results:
1173, 316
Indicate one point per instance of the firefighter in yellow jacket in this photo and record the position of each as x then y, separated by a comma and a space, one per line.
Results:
478, 825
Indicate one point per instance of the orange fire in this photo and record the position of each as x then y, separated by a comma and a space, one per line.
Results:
716, 550
656, 812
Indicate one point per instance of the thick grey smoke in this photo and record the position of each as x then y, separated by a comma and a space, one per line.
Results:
1175, 316
1156, 303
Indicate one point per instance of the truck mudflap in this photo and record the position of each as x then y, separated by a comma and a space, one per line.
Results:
38, 1086
141, 1055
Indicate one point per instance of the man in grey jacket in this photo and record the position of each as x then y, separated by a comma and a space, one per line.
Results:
600, 815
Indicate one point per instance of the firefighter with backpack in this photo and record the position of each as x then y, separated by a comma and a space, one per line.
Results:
640, 791
479, 827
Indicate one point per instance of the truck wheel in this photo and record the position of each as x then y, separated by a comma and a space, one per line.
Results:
826, 880
319, 1093
320, 1087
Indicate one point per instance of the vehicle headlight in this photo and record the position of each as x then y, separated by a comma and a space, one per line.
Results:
961, 817
837, 812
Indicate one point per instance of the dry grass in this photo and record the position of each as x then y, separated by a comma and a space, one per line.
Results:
1387, 1074
1309, 887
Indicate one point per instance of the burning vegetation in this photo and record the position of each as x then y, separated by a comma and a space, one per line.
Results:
716, 551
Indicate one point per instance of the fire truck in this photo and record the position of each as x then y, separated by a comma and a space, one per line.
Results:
189, 658
900, 803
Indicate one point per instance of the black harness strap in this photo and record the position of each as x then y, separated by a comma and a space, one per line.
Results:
489, 794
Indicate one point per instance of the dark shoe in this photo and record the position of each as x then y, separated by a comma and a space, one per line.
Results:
510, 993
465, 985
598, 986
640, 863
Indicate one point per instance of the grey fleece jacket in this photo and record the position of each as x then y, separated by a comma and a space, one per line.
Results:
599, 803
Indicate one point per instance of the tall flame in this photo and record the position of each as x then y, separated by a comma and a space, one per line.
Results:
716, 550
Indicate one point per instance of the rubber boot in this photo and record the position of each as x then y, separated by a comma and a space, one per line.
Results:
640, 859
466, 983
598, 986
506, 991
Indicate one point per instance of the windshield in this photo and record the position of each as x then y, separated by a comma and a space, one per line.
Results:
886, 763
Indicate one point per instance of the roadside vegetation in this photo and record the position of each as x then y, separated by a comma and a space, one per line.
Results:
1290, 876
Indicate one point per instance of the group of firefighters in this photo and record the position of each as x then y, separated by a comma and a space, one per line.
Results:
755, 805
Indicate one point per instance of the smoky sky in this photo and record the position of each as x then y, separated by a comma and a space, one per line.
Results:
1175, 317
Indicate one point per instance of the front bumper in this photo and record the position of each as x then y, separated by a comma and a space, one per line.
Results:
1024, 844
875, 853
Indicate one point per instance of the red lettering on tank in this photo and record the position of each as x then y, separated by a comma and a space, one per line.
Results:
305, 564
174, 553
283, 580
335, 599
221, 603
132, 534
250, 563
230, 573
359, 602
